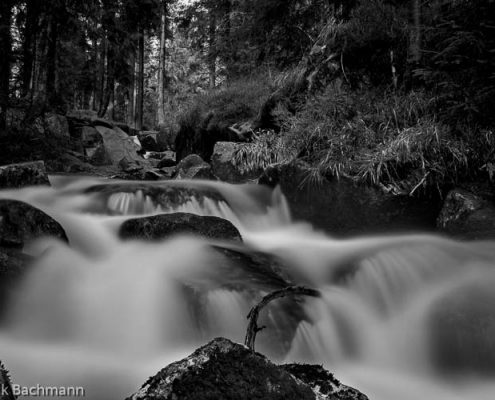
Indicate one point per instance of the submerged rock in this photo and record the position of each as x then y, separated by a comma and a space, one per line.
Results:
24, 174
223, 370
467, 216
165, 225
223, 166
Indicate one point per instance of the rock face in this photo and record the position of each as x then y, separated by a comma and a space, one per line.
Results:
343, 207
193, 167
25, 174
165, 225
467, 216
223, 370
223, 166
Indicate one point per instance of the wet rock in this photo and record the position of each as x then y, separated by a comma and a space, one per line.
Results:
344, 207
193, 167
223, 166
223, 370
165, 225
24, 174
20, 223
168, 197
466, 215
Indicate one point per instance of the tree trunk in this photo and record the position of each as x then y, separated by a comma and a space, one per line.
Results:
140, 82
6, 51
132, 91
212, 53
29, 47
416, 33
51, 57
161, 67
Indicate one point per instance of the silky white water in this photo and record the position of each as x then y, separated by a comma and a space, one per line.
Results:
400, 317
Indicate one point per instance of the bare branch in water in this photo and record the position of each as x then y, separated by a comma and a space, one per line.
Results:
253, 327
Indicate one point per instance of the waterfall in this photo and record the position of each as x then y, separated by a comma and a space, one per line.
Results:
398, 316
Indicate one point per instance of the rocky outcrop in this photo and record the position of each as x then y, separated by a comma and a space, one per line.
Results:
24, 174
466, 215
193, 167
344, 207
223, 370
223, 166
165, 225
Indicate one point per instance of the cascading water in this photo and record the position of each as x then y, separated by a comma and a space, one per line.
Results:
401, 317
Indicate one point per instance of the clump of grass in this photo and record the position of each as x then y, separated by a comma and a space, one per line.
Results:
390, 139
267, 148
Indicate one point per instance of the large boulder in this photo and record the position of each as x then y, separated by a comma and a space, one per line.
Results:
466, 215
20, 223
165, 225
118, 145
24, 174
193, 167
167, 160
223, 370
344, 207
224, 167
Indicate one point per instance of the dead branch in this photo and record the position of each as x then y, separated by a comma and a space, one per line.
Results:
253, 327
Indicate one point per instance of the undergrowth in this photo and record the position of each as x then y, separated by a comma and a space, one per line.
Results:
394, 140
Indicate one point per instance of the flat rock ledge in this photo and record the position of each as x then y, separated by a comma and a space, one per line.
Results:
223, 370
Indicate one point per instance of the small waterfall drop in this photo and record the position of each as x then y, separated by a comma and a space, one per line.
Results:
398, 316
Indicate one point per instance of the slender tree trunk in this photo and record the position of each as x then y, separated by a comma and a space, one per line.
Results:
212, 53
51, 87
102, 78
416, 33
6, 51
161, 68
132, 91
29, 47
140, 82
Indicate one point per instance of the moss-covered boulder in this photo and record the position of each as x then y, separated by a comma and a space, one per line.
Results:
223, 370
165, 225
